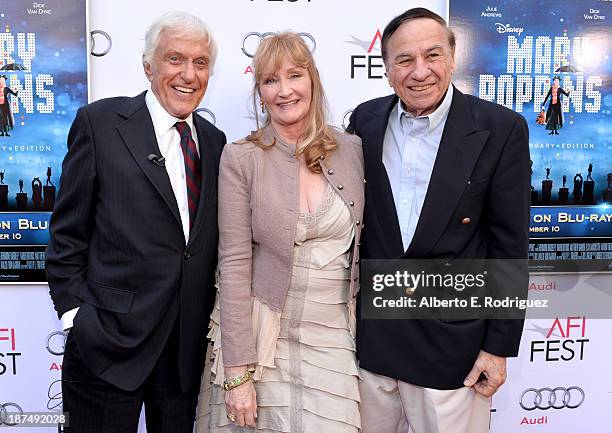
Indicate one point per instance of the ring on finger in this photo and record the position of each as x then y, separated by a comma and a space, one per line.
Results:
232, 417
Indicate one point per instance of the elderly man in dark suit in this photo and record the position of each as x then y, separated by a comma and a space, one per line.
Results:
133, 244
447, 177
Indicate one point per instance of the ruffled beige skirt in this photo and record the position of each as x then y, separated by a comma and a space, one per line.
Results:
307, 376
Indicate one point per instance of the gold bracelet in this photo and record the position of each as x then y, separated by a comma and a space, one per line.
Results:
237, 381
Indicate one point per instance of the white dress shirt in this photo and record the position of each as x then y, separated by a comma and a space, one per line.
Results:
410, 148
169, 143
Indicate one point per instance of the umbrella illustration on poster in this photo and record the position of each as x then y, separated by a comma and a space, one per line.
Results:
12, 67
7, 122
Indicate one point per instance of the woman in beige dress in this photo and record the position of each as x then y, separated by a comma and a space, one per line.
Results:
282, 357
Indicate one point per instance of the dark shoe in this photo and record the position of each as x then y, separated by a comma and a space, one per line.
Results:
7, 134
551, 132
556, 133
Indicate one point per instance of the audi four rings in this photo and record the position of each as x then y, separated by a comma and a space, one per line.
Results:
4, 413
256, 37
56, 342
93, 43
346, 117
556, 398
211, 116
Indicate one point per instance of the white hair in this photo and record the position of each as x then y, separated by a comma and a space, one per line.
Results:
180, 22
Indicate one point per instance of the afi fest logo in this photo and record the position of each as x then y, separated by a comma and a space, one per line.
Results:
8, 351
370, 64
564, 340
251, 41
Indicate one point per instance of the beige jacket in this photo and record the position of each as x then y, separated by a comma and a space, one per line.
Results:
258, 214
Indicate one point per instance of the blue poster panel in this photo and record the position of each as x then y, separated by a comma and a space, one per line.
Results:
550, 61
43, 81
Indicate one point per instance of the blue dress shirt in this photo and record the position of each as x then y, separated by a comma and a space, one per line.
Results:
410, 148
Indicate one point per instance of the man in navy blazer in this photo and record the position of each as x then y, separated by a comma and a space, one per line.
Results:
447, 177
133, 244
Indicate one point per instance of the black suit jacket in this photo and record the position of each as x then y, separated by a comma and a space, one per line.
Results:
481, 172
117, 248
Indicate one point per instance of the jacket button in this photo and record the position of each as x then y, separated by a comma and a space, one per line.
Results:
364, 181
340, 187
330, 171
187, 255
352, 203
466, 221
357, 222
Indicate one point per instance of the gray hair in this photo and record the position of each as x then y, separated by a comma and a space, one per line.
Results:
180, 22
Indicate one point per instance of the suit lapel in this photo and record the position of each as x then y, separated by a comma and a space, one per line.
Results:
381, 198
209, 174
139, 136
459, 150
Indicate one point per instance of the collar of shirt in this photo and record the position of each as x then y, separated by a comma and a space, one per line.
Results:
434, 119
163, 123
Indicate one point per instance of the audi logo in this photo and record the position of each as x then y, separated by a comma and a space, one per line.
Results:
207, 114
55, 395
555, 398
251, 41
4, 412
56, 342
346, 117
92, 38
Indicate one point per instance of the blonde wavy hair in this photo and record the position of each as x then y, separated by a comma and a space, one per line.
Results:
317, 140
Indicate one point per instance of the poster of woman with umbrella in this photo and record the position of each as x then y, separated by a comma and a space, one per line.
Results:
7, 123
554, 114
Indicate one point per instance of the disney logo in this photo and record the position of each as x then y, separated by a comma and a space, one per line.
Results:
506, 28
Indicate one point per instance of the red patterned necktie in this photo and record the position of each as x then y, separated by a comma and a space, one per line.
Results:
192, 168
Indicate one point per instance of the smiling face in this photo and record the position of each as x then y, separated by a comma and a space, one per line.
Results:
179, 72
287, 93
420, 64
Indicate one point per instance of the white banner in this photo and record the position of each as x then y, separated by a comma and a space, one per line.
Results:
345, 36
569, 355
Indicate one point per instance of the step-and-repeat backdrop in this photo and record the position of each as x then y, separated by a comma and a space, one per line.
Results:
559, 383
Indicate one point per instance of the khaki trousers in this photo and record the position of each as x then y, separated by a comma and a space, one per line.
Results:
392, 406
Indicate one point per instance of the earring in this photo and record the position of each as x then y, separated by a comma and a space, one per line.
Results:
263, 107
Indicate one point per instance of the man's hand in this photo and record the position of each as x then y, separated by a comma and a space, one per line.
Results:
493, 368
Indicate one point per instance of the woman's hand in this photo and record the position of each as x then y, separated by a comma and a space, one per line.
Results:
242, 400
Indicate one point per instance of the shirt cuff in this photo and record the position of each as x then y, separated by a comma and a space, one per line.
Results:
68, 317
